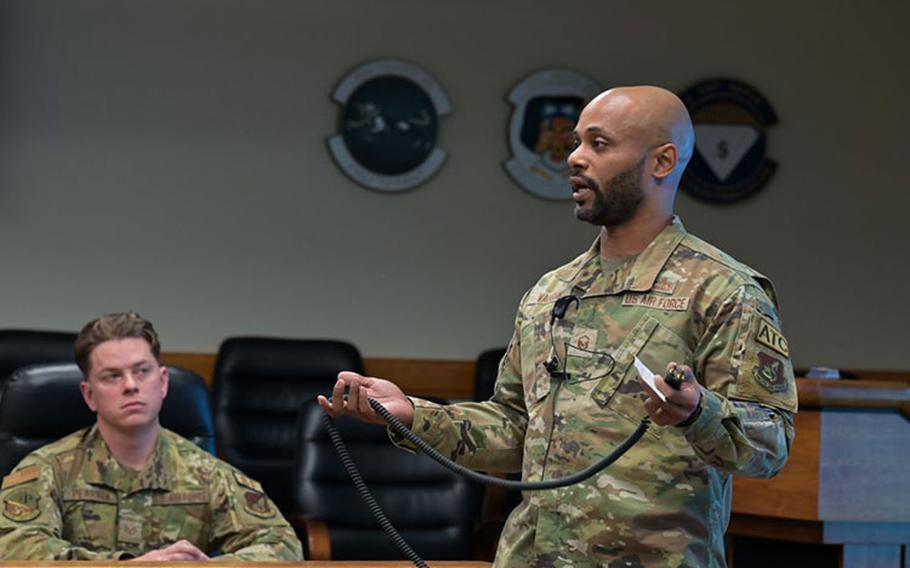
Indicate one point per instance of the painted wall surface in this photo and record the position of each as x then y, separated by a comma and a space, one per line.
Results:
169, 157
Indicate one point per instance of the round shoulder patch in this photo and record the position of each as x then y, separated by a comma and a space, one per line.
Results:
257, 504
21, 505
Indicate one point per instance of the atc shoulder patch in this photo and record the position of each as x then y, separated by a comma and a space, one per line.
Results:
21, 505
769, 336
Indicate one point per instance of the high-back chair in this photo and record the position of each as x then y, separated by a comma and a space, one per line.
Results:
486, 370
258, 387
435, 510
21, 347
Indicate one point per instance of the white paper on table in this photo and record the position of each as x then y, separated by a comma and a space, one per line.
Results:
648, 377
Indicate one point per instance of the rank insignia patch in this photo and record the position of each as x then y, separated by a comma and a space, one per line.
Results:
389, 125
21, 505
545, 108
729, 162
129, 531
770, 373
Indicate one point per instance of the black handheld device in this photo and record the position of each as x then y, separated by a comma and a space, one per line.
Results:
676, 377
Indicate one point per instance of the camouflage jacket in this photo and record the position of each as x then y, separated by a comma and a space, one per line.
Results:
71, 500
666, 502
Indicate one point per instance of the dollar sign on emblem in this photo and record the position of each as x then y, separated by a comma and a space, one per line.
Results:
722, 149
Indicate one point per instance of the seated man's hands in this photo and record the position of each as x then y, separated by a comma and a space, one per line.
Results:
182, 550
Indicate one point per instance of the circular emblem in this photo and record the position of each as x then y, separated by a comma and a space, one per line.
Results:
21, 505
389, 125
729, 162
545, 109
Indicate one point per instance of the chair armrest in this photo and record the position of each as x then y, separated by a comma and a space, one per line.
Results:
315, 536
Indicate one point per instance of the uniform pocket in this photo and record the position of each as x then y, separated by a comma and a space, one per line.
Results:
184, 521
91, 524
655, 346
623, 358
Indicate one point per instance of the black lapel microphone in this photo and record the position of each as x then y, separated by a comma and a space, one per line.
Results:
560, 307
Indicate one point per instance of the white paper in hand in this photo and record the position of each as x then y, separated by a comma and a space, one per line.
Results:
648, 377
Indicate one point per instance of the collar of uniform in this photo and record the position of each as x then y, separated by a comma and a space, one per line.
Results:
157, 474
101, 468
637, 276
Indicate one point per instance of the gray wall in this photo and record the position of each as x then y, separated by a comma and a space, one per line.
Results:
170, 157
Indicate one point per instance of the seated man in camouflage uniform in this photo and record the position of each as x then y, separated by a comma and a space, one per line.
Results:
568, 393
126, 487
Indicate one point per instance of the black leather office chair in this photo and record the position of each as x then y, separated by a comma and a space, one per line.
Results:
258, 387
434, 509
42, 403
21, 347
486, 371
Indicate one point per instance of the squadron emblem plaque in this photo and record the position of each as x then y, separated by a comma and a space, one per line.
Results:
389, 125
545, 109
730, 119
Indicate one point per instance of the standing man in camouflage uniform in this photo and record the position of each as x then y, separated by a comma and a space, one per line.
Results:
567, 392
127, 488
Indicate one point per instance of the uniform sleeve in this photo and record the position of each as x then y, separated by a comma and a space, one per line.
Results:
748, 390
487, 435
31, 522
247, 525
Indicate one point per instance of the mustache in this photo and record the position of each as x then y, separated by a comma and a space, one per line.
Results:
576, 173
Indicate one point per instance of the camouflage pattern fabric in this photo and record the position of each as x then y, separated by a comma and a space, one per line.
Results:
666, 503
71, 500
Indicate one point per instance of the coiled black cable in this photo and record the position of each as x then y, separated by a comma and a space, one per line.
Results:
577, 477
367, 496
403, 431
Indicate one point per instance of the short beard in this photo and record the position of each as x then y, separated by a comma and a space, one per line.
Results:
617, 202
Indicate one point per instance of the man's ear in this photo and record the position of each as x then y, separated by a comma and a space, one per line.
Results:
665, 160
164, 380
87, 395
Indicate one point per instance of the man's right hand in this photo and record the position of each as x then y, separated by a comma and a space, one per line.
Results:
181, 550
359, 389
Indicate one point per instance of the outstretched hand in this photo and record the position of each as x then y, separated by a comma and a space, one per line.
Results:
361, 388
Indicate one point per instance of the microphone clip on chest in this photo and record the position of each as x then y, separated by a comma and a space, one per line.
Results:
555, 366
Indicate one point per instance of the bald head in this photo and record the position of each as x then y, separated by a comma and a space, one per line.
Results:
651, 115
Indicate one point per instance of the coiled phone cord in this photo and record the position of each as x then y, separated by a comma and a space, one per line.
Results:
402, 430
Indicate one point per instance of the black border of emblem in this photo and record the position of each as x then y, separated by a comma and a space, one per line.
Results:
523, 166
342, 154
736, 106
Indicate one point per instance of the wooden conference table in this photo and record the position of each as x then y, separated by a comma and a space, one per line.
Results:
215, 564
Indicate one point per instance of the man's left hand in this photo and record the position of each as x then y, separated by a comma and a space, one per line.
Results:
680, 404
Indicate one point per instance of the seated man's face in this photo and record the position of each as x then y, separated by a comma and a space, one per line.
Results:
125, 385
